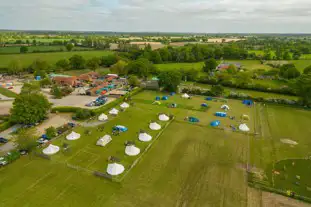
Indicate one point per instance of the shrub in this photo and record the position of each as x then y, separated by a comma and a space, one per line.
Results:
82, 114
51, 132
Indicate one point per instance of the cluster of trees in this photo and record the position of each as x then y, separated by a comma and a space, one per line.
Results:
188, 53
30, 106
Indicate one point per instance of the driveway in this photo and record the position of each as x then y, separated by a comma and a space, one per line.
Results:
5, 107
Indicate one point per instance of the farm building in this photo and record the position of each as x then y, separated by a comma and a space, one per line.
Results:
225, 66
97, 90
66, 81
117, 93
89, 77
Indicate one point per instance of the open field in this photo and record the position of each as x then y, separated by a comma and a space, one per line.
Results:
247, 64
301, 64
190, 164
51, 58
16, 50
255, 94
276, 124
185, 155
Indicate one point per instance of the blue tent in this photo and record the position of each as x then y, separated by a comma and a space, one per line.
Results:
221, 114
248, 102
209, 98
158, 98
193, 119
215, 123
172, 93
120, 128
38, 78
204, 105
164, 98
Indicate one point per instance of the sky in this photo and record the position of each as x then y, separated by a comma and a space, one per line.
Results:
193, 16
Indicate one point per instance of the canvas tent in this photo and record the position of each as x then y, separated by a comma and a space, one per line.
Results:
209, 98
185, 96
115, 169
114, 111
158, 98
144, 137
104, 140
154, 126
248, 102
221, 114
215, 123
73, 136
225, 107
124, 105
243, 128
103, 117
132, 150
50, 150
120, 128
193, 119
163, 117
164, 98
204, 105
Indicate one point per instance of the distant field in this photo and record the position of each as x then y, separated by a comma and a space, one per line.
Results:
15, 50
306, 57
43, 40
27, 59
247, 64
301, 64
255, 94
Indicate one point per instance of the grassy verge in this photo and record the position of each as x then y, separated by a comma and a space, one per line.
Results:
7, 93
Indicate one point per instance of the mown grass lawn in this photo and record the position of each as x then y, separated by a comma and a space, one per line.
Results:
190, 164
51, 58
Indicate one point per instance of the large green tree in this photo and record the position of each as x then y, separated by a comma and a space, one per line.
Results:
15, 67
23, 49
307, 70
77, 62
303, 87
93, 63
40, 65
289, 71
30, 88
29, 108
141, 67
63, 64
119, 68
69, 47
210, 65
109, 60
26, 139
170, 80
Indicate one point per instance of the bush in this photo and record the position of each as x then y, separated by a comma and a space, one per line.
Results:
65, 109
83, 114
51, 132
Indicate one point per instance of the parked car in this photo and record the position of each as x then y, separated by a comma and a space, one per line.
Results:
42, 140
71, 124
3, 140
23, 152
11, 87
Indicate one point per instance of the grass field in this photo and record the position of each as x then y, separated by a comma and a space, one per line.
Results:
27, 59
276, 123
7, 92
16, 50
189, 165
247, 64
255, 94
301, 64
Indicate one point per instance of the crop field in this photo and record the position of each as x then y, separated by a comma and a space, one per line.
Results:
27, 59
189, 164
16, 50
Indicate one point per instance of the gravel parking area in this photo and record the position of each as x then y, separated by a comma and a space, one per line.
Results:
5, 107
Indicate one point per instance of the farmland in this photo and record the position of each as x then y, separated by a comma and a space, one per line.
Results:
51, 58
16, 50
